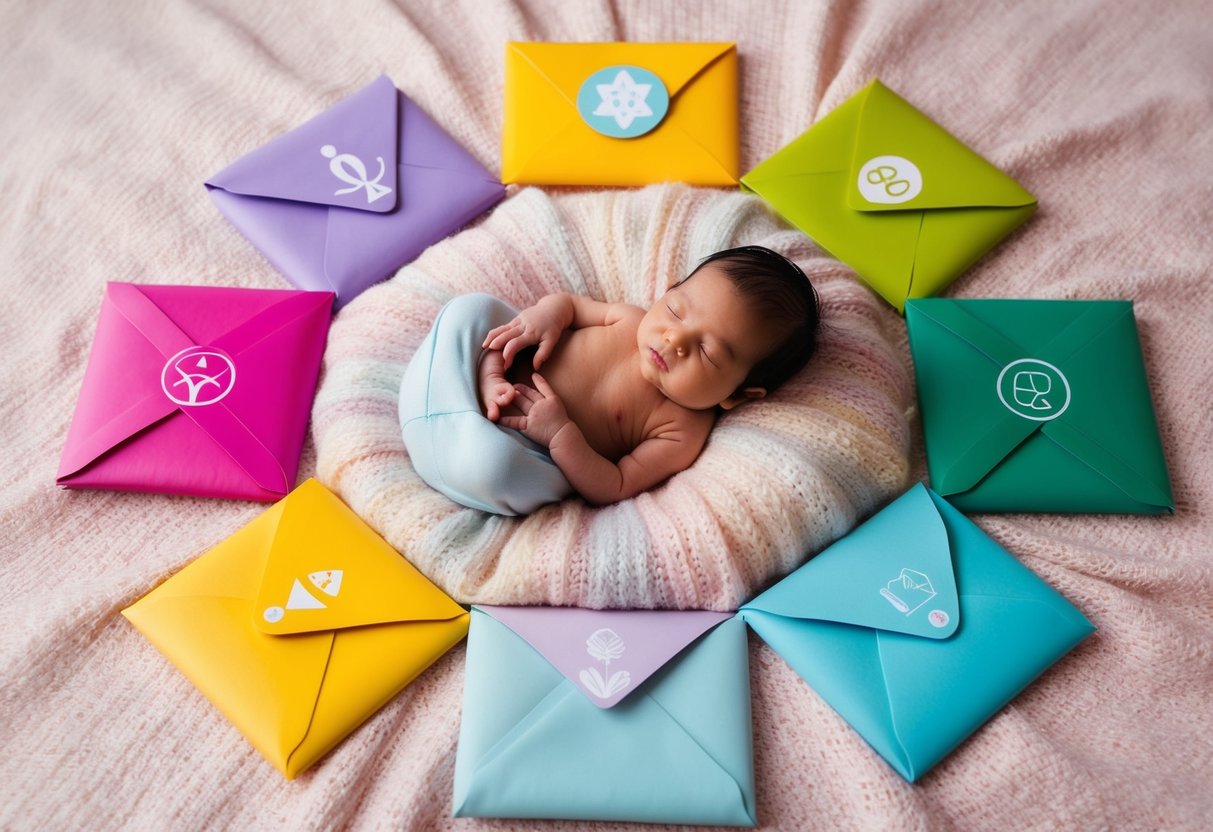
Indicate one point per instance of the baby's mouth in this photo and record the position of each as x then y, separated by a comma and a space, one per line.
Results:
658, 360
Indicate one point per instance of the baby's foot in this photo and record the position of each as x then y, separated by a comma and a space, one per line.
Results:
497, 394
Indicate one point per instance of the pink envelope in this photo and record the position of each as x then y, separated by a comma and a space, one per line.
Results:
197, 390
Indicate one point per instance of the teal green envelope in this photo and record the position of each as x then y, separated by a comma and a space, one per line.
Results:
891, 193
623, 715
1037, 405
916, 628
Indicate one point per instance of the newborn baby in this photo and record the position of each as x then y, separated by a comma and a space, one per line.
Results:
627, 397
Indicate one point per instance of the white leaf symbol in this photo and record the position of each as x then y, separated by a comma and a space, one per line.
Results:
604, 645
603, 688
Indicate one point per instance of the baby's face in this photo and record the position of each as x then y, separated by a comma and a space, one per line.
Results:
700, 340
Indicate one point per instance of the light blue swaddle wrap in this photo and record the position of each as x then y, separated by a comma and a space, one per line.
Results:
452, 444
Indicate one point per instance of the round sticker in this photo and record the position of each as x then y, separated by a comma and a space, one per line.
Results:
274, 614
889, 180
1033, 389
198, 376
623, 102
938, 618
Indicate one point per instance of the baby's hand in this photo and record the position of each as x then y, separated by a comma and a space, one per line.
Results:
543, 413
540, 324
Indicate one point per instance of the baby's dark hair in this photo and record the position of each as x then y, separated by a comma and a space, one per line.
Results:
779, 292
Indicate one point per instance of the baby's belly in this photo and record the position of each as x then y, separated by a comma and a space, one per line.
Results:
609, 421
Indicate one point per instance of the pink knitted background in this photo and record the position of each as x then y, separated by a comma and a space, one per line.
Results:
115, 113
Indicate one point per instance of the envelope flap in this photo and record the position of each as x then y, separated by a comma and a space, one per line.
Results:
327, 569
1101, 352
423, 143
566, 66
345, 157
956, 319
606, 654
895, 573
902, 161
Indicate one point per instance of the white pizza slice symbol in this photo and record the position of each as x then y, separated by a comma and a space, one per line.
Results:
328, 581
301, 599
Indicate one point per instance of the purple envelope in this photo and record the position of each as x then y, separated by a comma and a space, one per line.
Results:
197, 390
342, 201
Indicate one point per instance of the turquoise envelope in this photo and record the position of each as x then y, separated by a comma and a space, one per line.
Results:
916, 628
1037, 405
606, 715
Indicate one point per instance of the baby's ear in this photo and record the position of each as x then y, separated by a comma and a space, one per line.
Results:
749, 394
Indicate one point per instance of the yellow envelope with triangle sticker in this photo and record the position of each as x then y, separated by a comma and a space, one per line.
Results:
620, 113
892, 194
300, 626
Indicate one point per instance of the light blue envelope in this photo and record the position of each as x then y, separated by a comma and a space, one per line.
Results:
624, 715
917, 628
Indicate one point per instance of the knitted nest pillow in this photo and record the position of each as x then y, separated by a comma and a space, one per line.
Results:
779, 478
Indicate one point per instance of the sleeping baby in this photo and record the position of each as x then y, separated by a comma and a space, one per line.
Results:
627, 397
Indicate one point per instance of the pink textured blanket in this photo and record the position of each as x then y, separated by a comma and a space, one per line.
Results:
114, 114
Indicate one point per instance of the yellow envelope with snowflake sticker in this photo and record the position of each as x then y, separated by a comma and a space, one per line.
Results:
620, 113
300, 626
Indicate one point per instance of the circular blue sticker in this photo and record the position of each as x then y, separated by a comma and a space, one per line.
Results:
623, 102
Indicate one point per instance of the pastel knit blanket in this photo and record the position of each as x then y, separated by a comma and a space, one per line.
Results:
778, 479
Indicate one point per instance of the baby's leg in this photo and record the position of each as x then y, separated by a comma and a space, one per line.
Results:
451, 444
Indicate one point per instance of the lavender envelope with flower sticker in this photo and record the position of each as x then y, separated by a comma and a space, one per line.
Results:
606, 715
345, 199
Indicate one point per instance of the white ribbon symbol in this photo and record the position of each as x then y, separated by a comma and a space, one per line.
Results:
349, 168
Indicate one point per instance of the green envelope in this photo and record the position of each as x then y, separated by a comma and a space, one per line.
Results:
892, 194
1037, 405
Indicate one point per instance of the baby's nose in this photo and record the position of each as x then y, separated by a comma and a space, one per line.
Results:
677, 338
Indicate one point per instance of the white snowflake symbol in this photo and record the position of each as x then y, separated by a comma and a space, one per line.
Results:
624, 99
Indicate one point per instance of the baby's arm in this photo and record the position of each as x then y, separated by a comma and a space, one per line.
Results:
546, 321
496, 392
668, 449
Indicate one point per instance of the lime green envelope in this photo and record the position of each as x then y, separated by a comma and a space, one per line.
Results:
892, 194
1037, 405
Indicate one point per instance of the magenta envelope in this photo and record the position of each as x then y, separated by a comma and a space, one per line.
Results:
197, 390
345, 199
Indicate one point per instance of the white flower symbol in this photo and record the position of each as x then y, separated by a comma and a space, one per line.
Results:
624, 99
605, 646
